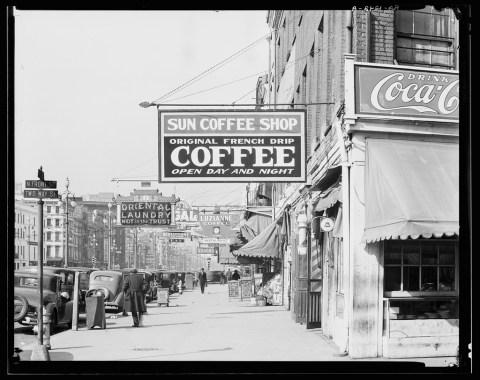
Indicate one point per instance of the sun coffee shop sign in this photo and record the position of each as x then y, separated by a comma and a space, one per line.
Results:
232, 146
403, 92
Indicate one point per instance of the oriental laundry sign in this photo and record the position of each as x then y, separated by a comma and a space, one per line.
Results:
151, 213
232, 146
403, 92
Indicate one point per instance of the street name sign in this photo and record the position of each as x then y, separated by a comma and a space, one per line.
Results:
40, 193
38, 184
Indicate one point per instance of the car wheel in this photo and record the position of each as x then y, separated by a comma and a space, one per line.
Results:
20, 308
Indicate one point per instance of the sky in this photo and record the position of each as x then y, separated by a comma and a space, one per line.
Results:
80, 76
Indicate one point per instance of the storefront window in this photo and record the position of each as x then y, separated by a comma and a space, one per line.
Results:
419, 265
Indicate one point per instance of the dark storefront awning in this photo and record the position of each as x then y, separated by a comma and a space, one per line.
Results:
226, 257
255, 225
329, 198
329, 178
265, 245
411, 189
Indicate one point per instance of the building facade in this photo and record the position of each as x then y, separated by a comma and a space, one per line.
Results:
26, 234
378, 269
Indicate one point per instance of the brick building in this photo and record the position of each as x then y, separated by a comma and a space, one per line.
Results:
380, 87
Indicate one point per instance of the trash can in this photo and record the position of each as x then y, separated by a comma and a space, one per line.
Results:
95, 310
163, 296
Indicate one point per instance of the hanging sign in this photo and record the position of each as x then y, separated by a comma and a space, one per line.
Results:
151, 213
327, 224
403, 92
232, 146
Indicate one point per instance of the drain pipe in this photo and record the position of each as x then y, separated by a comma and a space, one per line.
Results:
343, 350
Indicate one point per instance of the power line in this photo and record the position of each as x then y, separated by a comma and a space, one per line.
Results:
221, 63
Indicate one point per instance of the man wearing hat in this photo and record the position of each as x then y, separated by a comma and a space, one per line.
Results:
134, 288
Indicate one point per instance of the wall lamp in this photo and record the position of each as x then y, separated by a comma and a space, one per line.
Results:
303, 225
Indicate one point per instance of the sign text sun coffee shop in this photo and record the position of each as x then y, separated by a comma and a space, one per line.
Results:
220, 146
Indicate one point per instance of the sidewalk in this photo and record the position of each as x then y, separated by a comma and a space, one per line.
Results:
207, 328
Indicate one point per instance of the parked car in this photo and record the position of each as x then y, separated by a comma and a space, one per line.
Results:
181, 276
109, 285
147, 275
56, 300
165, 279
68, 280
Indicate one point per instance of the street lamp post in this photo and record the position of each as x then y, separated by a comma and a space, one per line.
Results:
135, 242
28, 230
108, 221
64, 199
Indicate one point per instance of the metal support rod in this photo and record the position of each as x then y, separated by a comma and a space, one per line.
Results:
40, 273
76, 289
238, 105
66, 233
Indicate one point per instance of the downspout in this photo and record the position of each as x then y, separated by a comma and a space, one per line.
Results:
346, 209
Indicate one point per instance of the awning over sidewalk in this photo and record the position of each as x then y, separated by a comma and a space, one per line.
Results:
254, 226
265, 245
226, 257
329, 198
411, 189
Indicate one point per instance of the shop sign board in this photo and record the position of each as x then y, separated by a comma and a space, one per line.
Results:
206, 250
404, 92
232, 146
145, 213
216, 225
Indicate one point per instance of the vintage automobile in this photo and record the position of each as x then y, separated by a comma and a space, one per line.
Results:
109, 285
147, 275
165, 279
56, 300
181, 277
68, 280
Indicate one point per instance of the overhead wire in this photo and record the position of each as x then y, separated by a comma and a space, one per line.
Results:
220, 64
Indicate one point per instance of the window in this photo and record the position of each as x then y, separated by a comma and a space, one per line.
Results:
300, 20
57, 222
425, 37
49, 236
49, 209
57, 210
57, 236
419, 265
49, 222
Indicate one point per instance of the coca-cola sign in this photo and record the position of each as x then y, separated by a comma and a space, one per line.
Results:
408, 93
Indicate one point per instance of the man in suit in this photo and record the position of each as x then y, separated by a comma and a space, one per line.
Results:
202, 278
134, 288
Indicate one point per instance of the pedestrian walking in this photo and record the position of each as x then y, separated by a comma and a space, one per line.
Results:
223, 278
235, 275
202, 278
134, 288
229, 275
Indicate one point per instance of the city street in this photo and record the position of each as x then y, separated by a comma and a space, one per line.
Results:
203, 328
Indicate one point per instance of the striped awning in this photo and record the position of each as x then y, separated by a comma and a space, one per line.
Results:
411, 189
